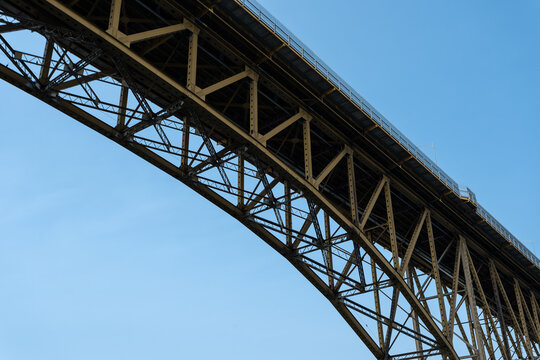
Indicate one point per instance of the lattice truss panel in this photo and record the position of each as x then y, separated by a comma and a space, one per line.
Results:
399, 301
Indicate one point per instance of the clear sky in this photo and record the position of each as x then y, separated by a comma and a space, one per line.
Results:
104, 257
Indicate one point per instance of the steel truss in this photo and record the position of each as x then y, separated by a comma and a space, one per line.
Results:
399, 300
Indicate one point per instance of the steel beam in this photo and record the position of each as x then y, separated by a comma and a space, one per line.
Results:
151, 34
302, 114
476, 332
371, 202
412, 243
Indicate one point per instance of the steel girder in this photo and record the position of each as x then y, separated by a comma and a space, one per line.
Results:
416, 309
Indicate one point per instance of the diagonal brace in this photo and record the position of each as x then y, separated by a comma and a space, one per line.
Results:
226, 82
156, 119
371, 203
302, 114
412, 243
151, 34
328, 169
74, 69
273, 201
210, 147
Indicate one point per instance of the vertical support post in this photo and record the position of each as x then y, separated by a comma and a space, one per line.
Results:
329, 259
414, 316
253, 108
391, 223
114, 17
534, 306
185, 144
288, 214
359, 266
352, 187
453, 300
191, 80
307, 151
240, 202
122, 106
473, 314
517, 292
377, 301
515, 322
531, 320
436, 275
488, 318
506, 348
45, 67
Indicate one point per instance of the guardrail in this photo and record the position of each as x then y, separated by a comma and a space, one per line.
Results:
507, 234
309, 56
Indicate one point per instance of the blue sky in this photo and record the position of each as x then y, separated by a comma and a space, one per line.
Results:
104, 257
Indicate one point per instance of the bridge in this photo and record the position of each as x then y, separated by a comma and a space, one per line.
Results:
222, 97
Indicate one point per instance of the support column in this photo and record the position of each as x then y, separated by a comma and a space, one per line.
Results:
328, 252
488, 318
414, 317
308, 167
534, 306
515, 323
240, 202
288, 214
453, 300
377, 301
114, 17
527, 338
253, 108
185, 144
352, 187
45, 67
391, 224
192, 60
122, 106
436, 275
473, 314
506, 348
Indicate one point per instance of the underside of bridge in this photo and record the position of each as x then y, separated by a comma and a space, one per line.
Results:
209, 93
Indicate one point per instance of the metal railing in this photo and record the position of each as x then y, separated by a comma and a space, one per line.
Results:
264, 16
507, 234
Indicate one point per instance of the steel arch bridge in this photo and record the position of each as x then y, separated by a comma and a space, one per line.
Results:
219, 95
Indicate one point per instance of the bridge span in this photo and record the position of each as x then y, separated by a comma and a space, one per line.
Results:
221, 96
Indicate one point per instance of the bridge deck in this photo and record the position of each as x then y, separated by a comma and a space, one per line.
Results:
271, 33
